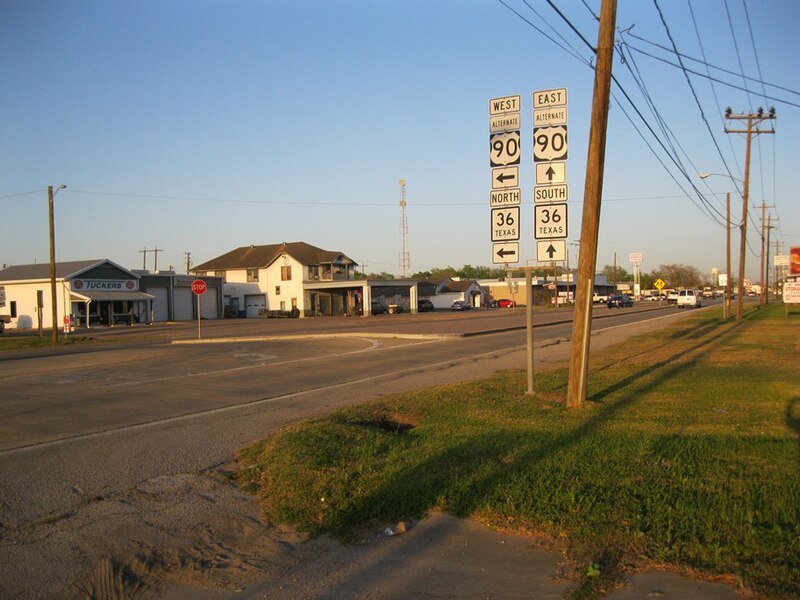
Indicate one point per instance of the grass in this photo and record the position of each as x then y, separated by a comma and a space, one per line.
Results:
21, 342
686, 456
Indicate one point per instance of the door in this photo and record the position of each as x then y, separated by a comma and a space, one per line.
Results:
255, 305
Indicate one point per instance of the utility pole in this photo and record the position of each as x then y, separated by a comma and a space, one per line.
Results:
593, 190
763, 295
155, 251
770, 226
188, 256
53, 297
727, 310
752, 128
144, 258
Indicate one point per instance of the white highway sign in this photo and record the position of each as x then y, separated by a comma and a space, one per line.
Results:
505, 177
550, 116
504, 149
549, 221
551, 172
509, 197
547, 98
505, 224
551, 250
507, 122
551, 193
505, 104
550, 143
504, 253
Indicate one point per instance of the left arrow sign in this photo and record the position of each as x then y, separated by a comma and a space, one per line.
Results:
505, 177
505, 253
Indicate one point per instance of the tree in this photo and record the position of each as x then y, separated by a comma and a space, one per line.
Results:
615, 276
383, 275
677, 276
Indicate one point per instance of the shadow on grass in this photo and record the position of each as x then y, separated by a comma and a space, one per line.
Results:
793, 417
672, 365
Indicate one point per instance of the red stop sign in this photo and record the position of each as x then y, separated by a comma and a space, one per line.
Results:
199, 286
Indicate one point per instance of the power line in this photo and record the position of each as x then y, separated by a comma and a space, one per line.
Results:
704, 62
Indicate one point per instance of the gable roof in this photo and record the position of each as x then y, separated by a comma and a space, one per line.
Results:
42, 270
448, 285
257, 257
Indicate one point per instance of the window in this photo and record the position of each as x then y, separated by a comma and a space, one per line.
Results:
286, 273
220, 274
252, 275
13, 309
277, 290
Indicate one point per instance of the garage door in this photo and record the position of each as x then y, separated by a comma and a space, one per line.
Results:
255, 304
208, 304
160, 304
184, 298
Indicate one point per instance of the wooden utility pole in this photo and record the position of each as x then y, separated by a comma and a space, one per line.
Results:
752, 128
727, 309
53, 297
770, 226
763, 295
590, 226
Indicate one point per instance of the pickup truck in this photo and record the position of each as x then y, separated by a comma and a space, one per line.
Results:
599, 298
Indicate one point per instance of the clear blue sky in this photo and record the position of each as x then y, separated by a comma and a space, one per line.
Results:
203, 126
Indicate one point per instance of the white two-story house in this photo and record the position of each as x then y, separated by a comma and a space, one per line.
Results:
293, 277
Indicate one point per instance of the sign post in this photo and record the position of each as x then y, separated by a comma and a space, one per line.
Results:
199, 288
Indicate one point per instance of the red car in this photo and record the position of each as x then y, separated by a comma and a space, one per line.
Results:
506, 303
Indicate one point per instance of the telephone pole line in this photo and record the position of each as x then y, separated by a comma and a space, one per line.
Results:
770, 227
753, 120
763, 295
593, 191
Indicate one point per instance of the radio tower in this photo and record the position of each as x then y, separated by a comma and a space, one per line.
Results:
405, 255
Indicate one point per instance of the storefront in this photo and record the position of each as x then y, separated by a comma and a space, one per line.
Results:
100, 292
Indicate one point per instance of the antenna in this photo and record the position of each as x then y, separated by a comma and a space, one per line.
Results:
405, 255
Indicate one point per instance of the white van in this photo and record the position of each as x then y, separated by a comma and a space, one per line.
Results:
690, 298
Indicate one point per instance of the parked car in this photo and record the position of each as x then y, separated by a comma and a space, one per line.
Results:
460, 305
424, 305
506, 303
378, 308
690, 298
619, 301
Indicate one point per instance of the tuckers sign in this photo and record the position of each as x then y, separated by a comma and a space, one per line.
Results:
104, 285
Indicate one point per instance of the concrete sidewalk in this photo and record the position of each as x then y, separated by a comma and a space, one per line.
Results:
443, 557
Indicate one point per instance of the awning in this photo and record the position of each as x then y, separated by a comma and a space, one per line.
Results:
109, 296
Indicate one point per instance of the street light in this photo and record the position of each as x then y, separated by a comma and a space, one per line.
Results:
742, 246
53, 299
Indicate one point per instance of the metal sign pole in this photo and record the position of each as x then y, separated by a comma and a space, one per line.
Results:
198, 316
529, 326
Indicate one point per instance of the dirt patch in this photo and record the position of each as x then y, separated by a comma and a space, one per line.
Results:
188, 529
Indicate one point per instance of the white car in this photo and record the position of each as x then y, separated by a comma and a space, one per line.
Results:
690, 298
